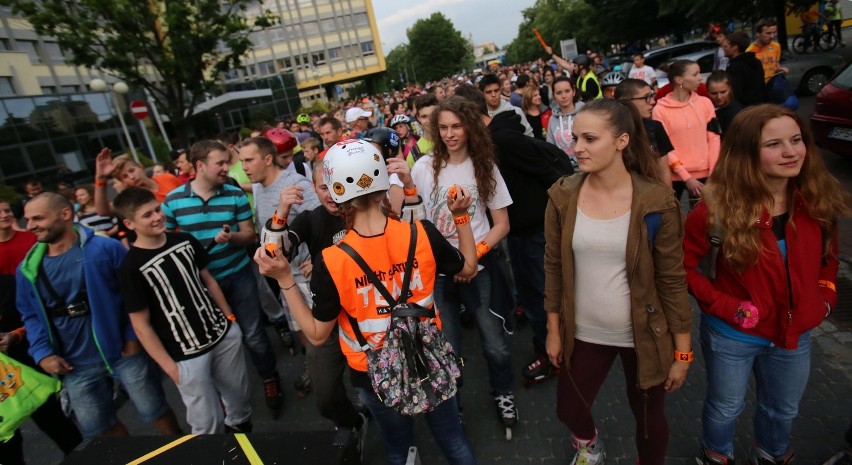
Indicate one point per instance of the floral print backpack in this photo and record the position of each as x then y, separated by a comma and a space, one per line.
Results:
416, 369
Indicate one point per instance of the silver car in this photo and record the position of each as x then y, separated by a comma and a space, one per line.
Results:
808, 73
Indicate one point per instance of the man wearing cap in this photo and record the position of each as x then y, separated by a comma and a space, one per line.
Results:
358, 121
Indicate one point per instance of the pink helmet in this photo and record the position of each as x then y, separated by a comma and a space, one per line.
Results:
283, 139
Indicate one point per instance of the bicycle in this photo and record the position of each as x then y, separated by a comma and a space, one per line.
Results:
820, 39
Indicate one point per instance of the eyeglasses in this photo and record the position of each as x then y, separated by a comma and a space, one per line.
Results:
647, 98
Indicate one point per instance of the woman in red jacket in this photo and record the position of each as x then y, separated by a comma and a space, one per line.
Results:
775, 209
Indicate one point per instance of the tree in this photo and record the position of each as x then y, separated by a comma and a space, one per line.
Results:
172, 48
398, 63
556, 20
436, 49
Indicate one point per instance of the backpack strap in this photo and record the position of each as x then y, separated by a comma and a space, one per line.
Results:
715, 238
371, 276
652, 224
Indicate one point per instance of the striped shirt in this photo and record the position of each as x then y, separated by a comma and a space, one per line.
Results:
204, 219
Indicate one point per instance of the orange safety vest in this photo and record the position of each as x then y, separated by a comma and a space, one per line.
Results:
386, 255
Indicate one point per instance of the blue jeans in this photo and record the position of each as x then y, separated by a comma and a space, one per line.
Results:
240, 289
90, 390
780, 377
527, 255
398, 430
476, 298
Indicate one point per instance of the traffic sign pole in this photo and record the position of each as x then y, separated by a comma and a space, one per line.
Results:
140, 111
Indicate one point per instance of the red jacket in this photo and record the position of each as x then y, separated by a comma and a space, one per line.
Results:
786, 311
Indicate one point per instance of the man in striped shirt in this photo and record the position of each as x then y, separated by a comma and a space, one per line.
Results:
219, 216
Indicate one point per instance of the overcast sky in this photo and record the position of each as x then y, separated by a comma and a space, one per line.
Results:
486, 20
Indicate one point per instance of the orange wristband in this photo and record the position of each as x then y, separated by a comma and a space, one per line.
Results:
676, 165
409, 192
20, 333
278, 220
461, 220
99, 183
482, 248
687, 357
232, 317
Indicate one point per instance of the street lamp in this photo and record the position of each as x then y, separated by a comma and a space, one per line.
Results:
99, 85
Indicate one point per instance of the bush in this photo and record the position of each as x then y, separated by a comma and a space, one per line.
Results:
9, 193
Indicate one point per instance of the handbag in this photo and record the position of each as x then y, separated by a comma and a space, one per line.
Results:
22, 391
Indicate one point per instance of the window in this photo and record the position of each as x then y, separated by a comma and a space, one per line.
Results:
286, 64
318, 58
346, 22
328, 25
48, 90
277, 35
367, 48
67, 89
360, 19
334, 54
266, 68
292, 32
258, 38
311, 28
30, 48
53, 53
6, 87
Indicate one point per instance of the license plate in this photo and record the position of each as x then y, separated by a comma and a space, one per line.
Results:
841, 133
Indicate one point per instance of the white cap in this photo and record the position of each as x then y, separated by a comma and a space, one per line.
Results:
354, 113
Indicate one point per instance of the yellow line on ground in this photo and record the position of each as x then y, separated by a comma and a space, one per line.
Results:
159, 451
251, 454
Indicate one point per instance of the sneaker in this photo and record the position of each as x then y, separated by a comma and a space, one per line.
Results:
709, 457
589, 452
272, 388
758, 456
303, 384
242, 428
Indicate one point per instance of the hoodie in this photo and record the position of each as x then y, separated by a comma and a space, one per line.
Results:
110, 323
696, 149
559, 131
506, 106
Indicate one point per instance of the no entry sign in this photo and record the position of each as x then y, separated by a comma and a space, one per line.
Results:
139, 109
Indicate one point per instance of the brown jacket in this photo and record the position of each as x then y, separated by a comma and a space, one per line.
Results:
656, 277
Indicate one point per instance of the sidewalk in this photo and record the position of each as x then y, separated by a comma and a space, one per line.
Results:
539, 437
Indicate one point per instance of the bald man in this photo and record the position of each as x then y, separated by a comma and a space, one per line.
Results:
68, 296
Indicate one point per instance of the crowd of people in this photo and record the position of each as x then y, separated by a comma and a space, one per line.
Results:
551, 189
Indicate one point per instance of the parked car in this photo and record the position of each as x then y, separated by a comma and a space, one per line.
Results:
831, 121
808, 73
654, 58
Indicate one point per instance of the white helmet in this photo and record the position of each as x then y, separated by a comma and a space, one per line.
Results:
399, 119
612, 78
353, 168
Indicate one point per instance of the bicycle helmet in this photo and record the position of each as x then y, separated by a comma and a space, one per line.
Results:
352, 168
282, 138
399, 119
388, 139
582, 60
303, 119
612, 79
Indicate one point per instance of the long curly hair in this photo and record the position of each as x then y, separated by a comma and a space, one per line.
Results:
480, 147
738, 192
349, 208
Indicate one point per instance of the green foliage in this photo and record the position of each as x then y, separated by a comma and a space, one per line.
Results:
9, 193
436, 49
160, 148
173, 48
398, 61
317, 106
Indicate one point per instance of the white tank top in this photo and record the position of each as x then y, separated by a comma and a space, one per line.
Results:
601, 290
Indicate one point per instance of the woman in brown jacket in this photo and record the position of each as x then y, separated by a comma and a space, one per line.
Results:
614, 280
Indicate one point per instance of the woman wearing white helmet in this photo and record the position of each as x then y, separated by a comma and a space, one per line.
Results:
356, 175
402, 125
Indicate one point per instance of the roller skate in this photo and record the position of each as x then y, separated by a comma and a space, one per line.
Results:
758, 456
538, 371
589, 451
507, 412
303, 384
708, 457
285, 335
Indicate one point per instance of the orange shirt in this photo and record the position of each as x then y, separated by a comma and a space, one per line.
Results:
166, 183
769, 56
